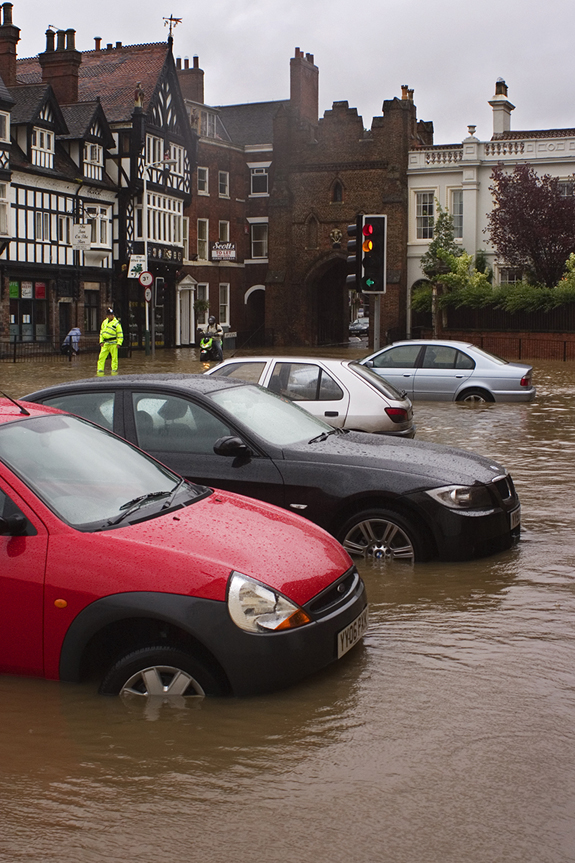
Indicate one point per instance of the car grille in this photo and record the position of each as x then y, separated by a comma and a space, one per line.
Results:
505, 488
335, 595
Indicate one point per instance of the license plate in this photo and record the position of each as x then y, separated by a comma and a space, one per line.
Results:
352, 633
515, 517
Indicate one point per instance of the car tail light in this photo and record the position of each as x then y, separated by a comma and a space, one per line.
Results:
526, 381
397, 415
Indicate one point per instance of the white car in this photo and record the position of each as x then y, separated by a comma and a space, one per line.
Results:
341, 392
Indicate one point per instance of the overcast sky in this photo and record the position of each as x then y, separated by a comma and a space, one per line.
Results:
450, 52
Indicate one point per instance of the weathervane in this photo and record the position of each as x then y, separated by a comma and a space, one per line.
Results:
172, 22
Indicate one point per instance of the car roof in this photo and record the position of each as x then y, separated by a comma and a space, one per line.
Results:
177, 382
10, 412
450, 342
329, 361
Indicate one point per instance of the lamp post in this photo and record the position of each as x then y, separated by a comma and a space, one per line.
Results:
165, 163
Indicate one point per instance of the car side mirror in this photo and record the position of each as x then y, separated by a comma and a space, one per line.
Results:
14, 525
231, 446
369, 364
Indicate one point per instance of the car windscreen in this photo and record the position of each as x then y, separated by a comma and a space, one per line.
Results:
272, 418
88, 477
376, 381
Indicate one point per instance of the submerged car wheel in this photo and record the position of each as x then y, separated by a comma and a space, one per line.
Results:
475, 397
381, 535
159, 671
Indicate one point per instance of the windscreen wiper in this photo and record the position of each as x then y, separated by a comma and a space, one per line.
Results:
132, 505
325, 435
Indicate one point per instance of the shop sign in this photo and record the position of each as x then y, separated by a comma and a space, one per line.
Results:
27, 289
166, 254
40, 290
14, 290
223, 251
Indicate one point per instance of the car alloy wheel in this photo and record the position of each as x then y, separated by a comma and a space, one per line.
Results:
379, 536
475, 397
160, 671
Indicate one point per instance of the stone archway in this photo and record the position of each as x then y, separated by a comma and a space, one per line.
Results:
255, 316
331, 303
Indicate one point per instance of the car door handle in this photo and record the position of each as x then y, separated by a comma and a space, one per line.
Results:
459, 376
331, 414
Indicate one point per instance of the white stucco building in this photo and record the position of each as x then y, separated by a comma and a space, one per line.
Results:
459, 177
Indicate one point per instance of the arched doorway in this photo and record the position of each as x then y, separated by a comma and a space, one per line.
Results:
332, 303
255, 316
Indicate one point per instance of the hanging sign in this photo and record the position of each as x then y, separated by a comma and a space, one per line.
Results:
82, 237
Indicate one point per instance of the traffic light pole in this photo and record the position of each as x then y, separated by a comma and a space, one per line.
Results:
377, 322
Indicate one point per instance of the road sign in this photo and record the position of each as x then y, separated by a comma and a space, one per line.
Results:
82, 237
138, 265
148, 295
145, 278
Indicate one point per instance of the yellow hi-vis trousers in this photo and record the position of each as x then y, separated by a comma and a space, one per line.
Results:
112, 349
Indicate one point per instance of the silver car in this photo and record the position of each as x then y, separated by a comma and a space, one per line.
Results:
451, 371
343, 393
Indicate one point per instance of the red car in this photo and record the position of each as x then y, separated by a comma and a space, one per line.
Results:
115, 569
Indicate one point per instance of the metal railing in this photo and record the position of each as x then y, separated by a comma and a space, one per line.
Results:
47, 351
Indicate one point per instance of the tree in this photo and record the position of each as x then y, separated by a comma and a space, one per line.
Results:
431, 263
434, 262
532, 225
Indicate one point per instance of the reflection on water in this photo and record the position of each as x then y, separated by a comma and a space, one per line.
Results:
447, 737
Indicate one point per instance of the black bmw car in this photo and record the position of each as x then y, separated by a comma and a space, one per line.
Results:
382, 497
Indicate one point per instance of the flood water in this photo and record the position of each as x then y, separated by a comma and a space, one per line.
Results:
448, 737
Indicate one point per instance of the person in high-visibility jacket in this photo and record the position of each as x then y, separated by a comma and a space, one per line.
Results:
111, 337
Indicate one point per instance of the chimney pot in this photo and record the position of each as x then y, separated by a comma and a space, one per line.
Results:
7, 17
404, 89
178, 62
70, 40
49, 40
186, 62
118, 44
61, 40
196, 61
109, 46
98, 43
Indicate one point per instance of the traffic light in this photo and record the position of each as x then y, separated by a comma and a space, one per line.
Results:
372, 264
353, 257
160, 291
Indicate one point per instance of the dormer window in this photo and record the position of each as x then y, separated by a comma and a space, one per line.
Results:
207, 124
42, 148
93, 161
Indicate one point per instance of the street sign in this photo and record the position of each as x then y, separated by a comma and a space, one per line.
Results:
138, 265
148, 295
81, 237
145, 278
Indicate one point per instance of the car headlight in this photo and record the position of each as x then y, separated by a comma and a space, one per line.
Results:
255, 607
462, 496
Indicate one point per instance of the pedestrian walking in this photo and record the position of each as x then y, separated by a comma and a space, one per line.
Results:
111, 337
71, 344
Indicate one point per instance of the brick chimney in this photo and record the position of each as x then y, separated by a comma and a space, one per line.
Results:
304, 87
9, 38
60, 65
191, 80
502, 108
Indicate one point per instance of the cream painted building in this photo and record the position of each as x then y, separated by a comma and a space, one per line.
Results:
458, 176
